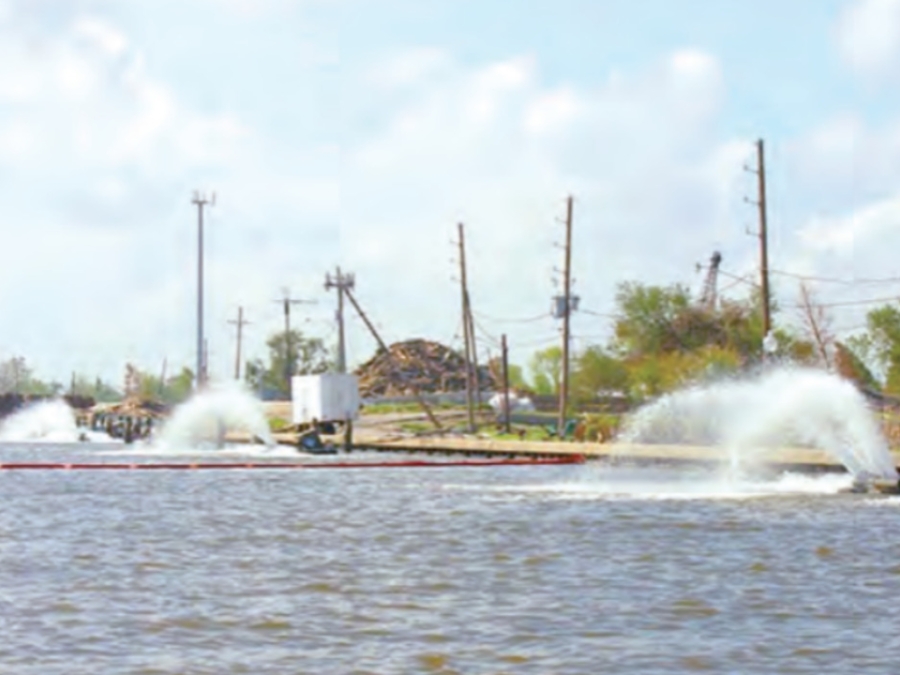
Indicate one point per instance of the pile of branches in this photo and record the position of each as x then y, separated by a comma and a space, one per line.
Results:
136, 407
427, 366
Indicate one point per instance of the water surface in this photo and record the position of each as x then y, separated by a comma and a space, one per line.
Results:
566, 569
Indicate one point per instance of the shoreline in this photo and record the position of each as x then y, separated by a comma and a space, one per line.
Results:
782, 459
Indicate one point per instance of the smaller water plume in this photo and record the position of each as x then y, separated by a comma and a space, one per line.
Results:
788, 406
48, 421
207, 416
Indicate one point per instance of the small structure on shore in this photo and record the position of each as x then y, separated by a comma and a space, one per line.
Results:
319, 402
131, 419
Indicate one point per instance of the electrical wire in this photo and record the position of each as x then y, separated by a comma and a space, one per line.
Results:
835, 280
848, 303
603, 315
742, 279
532, 319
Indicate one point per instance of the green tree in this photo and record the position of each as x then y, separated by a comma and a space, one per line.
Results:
850, 366
646, 316
16, 376
97, 389
515, 374
652, 375
595, 371
306, 356
175, 389
654, 320
881, 344
546, 368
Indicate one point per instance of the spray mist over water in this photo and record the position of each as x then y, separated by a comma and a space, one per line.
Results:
784, 407
50, 421
207, 415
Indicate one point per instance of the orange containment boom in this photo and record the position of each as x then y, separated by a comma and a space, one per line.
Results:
170, 466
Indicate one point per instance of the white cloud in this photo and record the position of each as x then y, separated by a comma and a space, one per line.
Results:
409, 67
99, 241
868, 36
102, 34
497, 148
552, 111
864, 227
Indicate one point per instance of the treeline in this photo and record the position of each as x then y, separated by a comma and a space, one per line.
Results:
267, 377
662, 339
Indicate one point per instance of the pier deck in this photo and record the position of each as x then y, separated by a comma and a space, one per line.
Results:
800, 459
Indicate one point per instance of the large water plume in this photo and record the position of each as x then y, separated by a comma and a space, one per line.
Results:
784, 407
208, 415
50, 421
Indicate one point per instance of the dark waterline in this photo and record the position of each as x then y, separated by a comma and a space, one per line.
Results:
458, 570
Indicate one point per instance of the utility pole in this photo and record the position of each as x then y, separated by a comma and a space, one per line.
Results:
201, 201
506, 411
287, 301
343, 283
162, 376
384, 347
566, 314
763, 236
476, 373
239, 323
466, 319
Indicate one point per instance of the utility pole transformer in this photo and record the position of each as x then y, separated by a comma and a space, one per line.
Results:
343, 283
239, 323
201, 201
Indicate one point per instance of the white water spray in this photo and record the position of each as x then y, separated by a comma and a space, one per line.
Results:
208, 415
784, 407
48, 421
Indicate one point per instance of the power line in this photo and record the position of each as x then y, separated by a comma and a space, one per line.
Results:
850, 303
728, 287
739, 279
834, 280
604, 315
534, 342
531, 319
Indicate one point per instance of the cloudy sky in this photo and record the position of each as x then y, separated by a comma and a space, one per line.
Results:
359, 132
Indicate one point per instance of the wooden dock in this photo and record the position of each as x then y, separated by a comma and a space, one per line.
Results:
779, 459
802, 459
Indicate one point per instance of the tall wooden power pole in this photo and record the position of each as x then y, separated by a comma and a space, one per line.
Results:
287, 301
466, 322
763, 235
566, 314
343, 283
201, 201
506, 411
763, 238
239, 324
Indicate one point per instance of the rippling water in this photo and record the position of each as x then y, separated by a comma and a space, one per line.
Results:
568, 569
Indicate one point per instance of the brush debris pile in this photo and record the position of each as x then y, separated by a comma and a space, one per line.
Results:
427, 366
